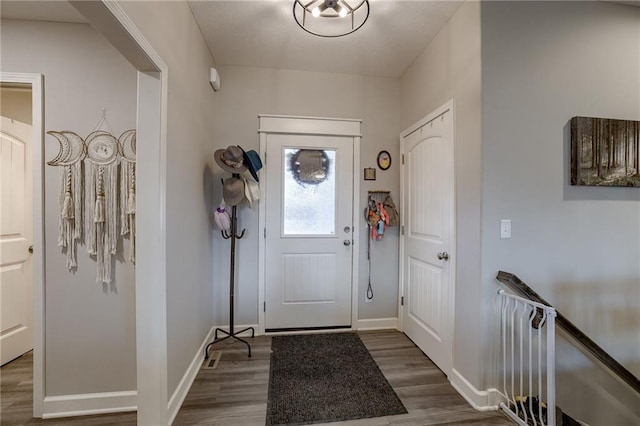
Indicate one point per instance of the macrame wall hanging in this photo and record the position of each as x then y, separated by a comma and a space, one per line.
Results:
127, 143
91, 201
101, 172
72, 152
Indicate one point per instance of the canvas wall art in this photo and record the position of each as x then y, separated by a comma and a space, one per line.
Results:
605, 152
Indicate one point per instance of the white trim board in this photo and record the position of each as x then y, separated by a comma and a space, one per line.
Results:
377, 324
309, 125
176, 400
479, 400
90, 403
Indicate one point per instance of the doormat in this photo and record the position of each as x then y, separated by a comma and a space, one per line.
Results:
322, 378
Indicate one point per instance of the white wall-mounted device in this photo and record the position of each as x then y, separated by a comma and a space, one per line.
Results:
505, 228
214, 79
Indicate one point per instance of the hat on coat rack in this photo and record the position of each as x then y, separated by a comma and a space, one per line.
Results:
233, 191
230, 159
251, 190
253, 162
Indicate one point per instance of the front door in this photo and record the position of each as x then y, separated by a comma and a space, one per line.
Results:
427, 243
16, 236
308, 248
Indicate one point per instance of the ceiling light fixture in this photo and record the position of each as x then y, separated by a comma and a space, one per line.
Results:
331, 18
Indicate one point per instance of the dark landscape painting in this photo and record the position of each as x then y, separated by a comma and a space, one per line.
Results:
605, 152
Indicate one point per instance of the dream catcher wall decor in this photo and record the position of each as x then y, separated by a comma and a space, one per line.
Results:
91, 201
101, 171
69, 158
127, 142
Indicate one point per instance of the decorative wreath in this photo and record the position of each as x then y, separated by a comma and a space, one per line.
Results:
309, 166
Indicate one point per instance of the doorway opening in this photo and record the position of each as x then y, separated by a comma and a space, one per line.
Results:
22, 227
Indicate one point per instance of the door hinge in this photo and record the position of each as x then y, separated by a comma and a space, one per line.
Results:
265, 158
402, 229
264, 307
402, 301
402, 158
265, 233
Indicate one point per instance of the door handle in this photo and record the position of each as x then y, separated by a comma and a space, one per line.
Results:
443, 255
31, 249
347, 242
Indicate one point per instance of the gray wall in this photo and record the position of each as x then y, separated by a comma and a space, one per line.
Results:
172, 31
247, 92
450, 68
90, 328
578, 247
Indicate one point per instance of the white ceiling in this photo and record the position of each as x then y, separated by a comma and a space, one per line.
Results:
264, 33
52, 11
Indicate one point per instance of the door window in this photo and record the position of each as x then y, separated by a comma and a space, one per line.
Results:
309, 192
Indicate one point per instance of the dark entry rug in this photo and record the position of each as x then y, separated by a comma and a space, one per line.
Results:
322, 378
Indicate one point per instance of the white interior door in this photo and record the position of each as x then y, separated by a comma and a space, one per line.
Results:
427, 244
16, 236
308, 247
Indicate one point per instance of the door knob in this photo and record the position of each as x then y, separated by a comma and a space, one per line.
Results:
443, 255
347, 242
31, 248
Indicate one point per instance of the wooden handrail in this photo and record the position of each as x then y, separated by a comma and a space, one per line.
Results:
590, 347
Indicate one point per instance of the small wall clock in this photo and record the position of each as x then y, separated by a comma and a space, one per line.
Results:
384, 160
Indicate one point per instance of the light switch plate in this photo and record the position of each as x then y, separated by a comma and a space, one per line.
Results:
505, 228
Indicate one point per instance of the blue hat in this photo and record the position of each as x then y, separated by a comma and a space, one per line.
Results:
253, 163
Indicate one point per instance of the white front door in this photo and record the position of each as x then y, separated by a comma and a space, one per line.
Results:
16, 236
308, 247
427, 243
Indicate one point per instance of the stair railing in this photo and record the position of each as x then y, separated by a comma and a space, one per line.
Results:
527, 331
577, 337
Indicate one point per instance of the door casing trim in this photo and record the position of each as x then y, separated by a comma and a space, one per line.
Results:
37, 128
316, 126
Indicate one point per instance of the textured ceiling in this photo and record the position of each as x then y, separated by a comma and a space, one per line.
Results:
264, 34
52, 11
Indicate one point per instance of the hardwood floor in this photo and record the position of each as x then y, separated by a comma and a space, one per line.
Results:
235, 393
16, 393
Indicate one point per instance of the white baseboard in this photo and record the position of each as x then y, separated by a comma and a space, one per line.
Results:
479, 400
89, 403
176, 400
377, 324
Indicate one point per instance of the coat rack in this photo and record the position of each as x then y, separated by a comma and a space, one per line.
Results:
232, 235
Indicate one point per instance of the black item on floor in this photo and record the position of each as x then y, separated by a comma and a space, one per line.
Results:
322, 378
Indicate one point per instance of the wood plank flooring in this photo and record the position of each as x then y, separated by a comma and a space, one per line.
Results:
235, 393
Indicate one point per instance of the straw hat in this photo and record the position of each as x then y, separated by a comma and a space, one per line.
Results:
251, 190
233, 191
